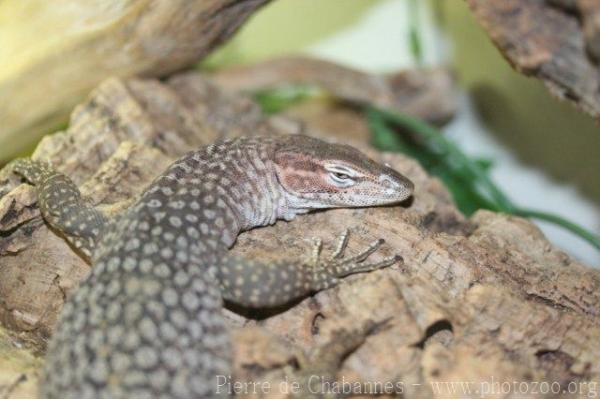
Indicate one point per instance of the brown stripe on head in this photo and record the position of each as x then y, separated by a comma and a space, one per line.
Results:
298, 171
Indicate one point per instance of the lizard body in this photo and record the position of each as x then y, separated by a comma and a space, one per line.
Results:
147, 322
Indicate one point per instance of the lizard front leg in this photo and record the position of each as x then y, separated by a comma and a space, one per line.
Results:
254, 284
62, 206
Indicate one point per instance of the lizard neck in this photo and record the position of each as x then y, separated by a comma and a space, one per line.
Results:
255, 192
231, 187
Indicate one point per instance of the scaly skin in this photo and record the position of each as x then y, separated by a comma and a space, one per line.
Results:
147, 322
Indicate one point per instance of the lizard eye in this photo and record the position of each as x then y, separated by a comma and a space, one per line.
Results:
341, 176
341, 179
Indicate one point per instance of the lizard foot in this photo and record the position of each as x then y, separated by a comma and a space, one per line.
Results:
336, 266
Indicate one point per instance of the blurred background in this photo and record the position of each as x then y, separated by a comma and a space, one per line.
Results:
545, 154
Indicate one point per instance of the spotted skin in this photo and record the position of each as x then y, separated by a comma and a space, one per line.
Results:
147, 322
62, 205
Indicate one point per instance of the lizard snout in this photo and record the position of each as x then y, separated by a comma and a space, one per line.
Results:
397, 184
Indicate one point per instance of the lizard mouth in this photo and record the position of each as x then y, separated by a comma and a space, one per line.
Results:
358, 201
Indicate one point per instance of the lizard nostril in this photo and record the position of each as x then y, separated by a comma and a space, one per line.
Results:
387, 182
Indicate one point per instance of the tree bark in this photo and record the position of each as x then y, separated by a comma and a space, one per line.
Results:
556, 41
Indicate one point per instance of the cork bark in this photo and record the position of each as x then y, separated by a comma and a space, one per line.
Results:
475, 300
556, 41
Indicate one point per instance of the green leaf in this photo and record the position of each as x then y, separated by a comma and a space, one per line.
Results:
485, 164
276, 100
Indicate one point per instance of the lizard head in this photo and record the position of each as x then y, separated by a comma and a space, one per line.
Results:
317, 174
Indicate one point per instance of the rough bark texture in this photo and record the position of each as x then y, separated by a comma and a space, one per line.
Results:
480, 300
64, 49
557, 41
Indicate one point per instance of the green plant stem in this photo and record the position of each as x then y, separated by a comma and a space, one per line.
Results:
467, 197
417, 126
559, 221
